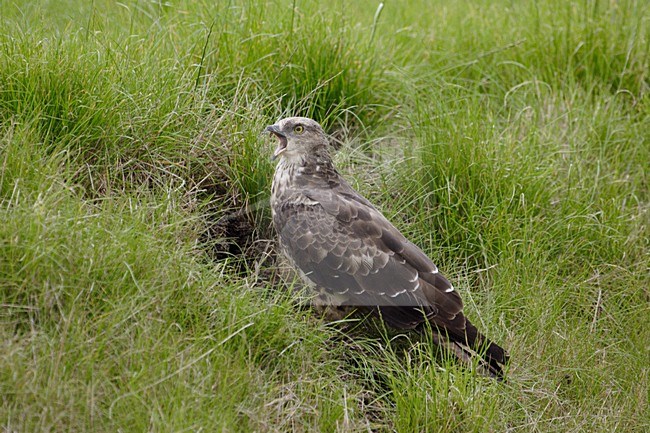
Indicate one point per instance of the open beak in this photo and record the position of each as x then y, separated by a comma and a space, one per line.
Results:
282, 140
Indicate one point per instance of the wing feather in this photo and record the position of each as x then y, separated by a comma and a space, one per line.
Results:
346, 246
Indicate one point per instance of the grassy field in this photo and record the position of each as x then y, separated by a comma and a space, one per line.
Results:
140, 288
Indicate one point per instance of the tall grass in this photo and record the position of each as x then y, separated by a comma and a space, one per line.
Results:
139, 285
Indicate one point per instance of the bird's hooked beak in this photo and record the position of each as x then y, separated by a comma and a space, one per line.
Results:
274, 130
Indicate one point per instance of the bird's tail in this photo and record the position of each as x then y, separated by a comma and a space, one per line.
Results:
491, 357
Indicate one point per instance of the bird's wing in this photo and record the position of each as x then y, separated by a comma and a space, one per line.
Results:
347, 247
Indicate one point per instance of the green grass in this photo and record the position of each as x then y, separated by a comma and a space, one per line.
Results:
140, 291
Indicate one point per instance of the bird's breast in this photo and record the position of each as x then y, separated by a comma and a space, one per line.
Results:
292, 182
284, 192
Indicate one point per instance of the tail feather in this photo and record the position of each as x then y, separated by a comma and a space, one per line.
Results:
453, 332
492, 357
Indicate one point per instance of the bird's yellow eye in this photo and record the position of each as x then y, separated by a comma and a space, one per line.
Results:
298, 129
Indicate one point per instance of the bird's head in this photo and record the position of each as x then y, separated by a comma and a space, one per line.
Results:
298, 137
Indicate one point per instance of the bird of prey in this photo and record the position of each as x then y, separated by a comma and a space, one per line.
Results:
353, 256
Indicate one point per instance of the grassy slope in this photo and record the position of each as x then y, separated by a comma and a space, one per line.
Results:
510, 140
